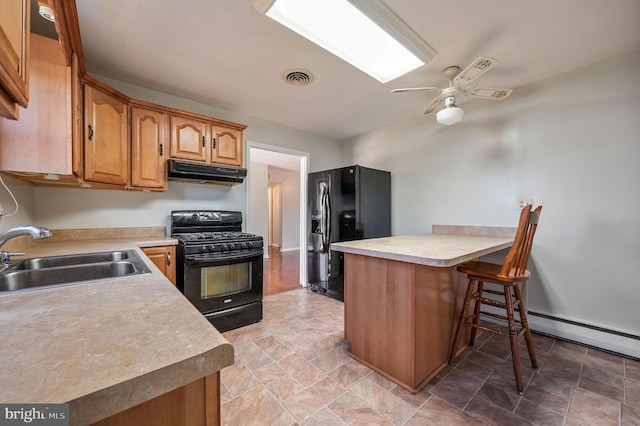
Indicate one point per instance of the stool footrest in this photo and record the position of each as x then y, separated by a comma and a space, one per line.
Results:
494, 331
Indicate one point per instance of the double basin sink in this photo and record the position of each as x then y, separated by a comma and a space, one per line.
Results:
59, 270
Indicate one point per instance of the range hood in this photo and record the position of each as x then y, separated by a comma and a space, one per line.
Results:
205, 173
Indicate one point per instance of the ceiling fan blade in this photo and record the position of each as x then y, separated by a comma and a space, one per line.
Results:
493, 93
415, 89
475, 70
433, 105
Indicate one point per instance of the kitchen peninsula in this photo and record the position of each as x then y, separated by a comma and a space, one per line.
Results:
128, 350
403, 295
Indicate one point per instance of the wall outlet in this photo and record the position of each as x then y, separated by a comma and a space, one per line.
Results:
522, 202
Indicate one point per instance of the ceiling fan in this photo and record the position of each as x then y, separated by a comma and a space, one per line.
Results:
459, 86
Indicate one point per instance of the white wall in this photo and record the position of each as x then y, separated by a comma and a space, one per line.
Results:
23, 194
58, 208
290, 207
258, 222
571, 142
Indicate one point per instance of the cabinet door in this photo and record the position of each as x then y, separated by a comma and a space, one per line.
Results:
14, 56
164, 259
148, 144
227, 146
40, 142
190, 139
106, 144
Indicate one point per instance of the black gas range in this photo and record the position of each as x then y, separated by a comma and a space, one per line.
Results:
219, 267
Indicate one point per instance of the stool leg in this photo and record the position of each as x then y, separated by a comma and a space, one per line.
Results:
461, 320
525, 325
476, 312
513, 337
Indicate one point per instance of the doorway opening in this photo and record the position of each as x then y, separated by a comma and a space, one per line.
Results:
277, 200
275, 214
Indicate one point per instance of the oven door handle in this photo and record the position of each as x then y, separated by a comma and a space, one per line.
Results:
195, 260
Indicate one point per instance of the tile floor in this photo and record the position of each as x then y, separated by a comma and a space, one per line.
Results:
293, 368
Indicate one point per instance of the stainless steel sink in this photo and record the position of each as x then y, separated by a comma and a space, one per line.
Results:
71, 260
59, 270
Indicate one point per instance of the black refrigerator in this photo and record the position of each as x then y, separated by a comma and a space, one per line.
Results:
351, 203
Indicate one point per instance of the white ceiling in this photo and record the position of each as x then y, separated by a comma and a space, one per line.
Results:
223, 53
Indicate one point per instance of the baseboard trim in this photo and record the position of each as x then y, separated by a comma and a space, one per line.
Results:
289, 249
599, 337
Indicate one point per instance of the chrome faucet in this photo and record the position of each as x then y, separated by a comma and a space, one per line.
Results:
37, 233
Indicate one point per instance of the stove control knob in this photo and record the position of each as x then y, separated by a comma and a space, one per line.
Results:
195, 217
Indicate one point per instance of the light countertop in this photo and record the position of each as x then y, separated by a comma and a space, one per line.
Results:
441, 250
104, 345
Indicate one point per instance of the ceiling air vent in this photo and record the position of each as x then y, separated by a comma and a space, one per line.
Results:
298, 77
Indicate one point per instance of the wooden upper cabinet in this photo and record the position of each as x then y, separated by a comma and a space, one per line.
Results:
14, 56
227, 146
190, 139
40, 142
149, 135
106, 138
206, 142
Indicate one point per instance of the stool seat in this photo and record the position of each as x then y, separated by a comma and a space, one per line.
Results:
490, 272
509, 276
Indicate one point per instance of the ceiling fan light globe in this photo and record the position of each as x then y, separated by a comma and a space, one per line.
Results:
449, 115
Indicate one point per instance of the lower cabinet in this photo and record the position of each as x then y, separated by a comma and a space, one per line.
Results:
197, 403
164, 259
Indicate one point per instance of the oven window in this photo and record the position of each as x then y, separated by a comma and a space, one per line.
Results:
223, 280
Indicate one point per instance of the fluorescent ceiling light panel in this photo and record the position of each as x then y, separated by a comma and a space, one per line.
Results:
342, 29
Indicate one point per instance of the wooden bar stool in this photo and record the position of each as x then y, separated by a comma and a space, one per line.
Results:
508, 275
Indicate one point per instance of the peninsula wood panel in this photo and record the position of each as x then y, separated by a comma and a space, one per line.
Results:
195, 404
400, 317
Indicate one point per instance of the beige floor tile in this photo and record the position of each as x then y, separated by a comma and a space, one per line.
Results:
353, 411
313, 398
382, 401
238, 379
285, 387
590, 407
345, 375
256, 407
324, 417
438, 412
301, 369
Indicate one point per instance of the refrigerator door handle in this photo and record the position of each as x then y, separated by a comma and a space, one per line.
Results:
326, 220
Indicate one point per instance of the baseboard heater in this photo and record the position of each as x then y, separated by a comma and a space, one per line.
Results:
593, 336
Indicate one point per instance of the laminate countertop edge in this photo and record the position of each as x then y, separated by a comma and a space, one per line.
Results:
438, 250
